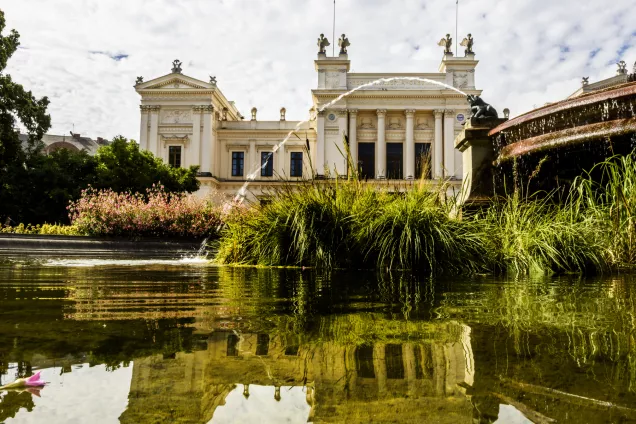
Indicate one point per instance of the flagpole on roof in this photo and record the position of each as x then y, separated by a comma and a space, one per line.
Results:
456, 23
333, 39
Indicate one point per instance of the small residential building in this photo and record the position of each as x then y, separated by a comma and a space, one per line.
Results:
73, 141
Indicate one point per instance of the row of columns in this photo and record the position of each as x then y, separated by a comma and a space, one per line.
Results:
444, 158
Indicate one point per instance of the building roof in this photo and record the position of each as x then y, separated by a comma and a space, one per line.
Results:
72, 142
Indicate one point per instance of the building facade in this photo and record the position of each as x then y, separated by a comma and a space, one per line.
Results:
401, 128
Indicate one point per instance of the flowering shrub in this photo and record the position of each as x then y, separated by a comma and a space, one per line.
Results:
157, 213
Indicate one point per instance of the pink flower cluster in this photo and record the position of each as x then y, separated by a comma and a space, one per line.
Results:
155, 214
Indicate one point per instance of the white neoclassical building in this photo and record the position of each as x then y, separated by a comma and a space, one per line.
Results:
397, 130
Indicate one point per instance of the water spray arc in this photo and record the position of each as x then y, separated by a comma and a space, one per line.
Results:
242, 193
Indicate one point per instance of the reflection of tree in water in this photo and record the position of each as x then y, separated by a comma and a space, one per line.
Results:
12, 401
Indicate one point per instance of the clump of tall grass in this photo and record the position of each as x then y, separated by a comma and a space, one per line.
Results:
533, 235
306, 225
607, 194
414, 230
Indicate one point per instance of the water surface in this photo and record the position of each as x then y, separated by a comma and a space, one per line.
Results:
181, 341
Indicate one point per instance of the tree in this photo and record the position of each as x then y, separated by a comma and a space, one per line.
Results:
16, 103
36, 188
121, 166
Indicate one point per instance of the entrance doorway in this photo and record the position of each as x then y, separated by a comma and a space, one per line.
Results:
366, 160
394, 161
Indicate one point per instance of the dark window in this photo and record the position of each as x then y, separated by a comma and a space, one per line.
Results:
262, 344
364, 361
292, 350
366, 160
419, 373
232, 341
394, 161
267, 164
393, 361
174, 156
422, 160
296, 165
237, 164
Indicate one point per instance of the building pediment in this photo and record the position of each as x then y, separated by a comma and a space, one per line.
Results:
174, 81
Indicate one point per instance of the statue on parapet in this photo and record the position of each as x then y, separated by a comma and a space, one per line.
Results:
139, 80
585, 81
176, 66
322, 43
622, 68
468, 43
213, 80
447, 43
480, 109
343, 43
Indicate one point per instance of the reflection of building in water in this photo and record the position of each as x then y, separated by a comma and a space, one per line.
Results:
408, 381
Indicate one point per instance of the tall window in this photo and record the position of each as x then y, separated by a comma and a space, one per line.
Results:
267, 164
174, 156
296, 166
237, 164
366, 160
422, 160
394, 161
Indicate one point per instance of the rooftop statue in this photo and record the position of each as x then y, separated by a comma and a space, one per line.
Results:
139, 80
585, 81
213, 80
176, 66
322, 43
447, 43
480, 109
468, 43
343, 43
622, 68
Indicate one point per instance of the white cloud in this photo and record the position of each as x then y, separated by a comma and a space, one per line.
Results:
530, 51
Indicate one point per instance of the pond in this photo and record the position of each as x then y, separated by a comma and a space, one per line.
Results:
160, 341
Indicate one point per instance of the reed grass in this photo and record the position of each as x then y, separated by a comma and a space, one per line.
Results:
349, 223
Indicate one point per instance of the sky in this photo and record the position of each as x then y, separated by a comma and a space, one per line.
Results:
86, 54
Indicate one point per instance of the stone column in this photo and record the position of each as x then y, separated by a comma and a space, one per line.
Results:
320, 144
251, 162
143, 130
279, 163
449, 143
153, 140
206, 141
410, 146
438, 150
195, 148
353, 135
342, 131
381, 146
379, 366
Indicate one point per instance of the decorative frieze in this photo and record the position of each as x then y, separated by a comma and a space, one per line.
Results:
147, 108
176, 116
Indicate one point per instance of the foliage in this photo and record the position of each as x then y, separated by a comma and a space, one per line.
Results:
157, 213
337, 224
45, 229
123, 167
607, 194
532, 235
16, 104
